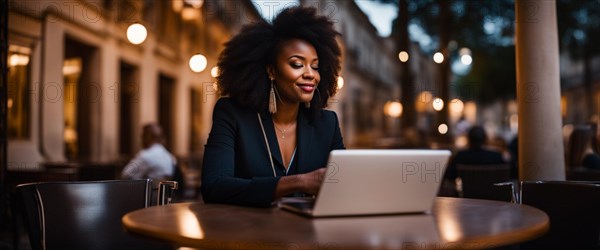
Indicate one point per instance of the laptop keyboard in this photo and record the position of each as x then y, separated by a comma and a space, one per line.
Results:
300, 203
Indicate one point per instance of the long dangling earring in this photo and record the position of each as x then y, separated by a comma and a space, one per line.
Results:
272, 100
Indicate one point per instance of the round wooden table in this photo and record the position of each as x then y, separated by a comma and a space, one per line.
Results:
453, 224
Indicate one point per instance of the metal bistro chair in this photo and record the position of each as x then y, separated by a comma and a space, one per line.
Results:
478, 181
85, 215
573, 208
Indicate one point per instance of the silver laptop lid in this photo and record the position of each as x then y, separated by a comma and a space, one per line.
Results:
380, 182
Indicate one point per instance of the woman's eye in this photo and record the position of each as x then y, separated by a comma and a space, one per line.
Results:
296, 65
315, 67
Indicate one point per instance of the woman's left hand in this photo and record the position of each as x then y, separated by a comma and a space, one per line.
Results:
312, 181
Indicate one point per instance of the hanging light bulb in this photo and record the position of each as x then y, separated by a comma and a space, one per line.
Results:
340, 82
443, 128
136, 33
214, 72
393, 109
438, 104
438, 57
198, 63
456, 107
403, 56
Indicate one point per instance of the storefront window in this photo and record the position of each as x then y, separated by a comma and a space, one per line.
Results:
128, 99
72, 74
196, 121
18, 92
166, 102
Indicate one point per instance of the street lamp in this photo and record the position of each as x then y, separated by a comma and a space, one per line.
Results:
340, 82
438, 57
466, 59
465, 56
456, 107
443, 128
136, 33
214, 72
198, 63
393, 109
403, 56
438, 104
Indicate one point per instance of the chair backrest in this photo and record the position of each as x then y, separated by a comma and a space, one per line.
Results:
478, 181
573, 209
83, 215
582, 174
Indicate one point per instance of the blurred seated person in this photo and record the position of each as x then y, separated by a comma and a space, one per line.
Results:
595, 137
498, 143
476, 154
153, 161
513, 148
579, 151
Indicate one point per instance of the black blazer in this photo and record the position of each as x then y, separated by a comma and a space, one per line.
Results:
236, 167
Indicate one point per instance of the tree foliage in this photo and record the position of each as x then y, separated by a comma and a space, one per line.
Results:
469, 21
579, 27
487, 29
491, 78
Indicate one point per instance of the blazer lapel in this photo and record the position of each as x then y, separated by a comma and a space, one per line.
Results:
304, 136
272, 137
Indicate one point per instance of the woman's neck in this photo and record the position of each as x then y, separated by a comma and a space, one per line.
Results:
286, 113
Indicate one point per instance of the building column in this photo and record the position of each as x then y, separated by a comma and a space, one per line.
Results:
51, 92
541, 153
148, 87
181, 134
109, 102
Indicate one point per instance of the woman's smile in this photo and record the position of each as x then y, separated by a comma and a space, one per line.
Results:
296, 71
306, 87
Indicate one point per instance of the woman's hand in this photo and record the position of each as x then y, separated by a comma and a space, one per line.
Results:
307, 183
312, 181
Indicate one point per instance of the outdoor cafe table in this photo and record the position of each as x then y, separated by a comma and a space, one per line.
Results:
454, 223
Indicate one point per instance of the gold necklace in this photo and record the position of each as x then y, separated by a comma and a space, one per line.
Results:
283, 131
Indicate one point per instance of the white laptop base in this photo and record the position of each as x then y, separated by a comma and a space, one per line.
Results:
368, 182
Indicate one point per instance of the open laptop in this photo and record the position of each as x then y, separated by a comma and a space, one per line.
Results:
367, 182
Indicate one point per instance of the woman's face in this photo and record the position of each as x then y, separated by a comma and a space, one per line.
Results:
296, 71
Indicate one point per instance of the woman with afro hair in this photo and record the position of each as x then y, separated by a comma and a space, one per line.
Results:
270, 135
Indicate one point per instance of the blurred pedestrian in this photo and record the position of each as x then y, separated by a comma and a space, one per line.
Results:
462, 126
513, 148
596, 137
153, 161
476, 154
579, 150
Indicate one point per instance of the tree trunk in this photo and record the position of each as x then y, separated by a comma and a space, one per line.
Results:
445, 19
406, 79
587, 81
